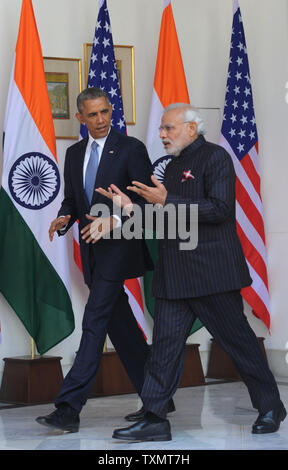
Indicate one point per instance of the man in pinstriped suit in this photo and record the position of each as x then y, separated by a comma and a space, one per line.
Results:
203, 283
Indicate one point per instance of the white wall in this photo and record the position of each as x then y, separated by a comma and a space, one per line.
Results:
204, 30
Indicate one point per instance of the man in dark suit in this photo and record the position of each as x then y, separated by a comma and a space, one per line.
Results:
107, 263
204, 282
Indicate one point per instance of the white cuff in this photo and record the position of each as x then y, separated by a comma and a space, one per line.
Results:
119, 222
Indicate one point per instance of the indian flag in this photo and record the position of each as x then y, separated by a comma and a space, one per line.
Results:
34, 275
169, 80
169, 87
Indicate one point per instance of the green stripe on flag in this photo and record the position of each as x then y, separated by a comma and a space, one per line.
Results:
29, 282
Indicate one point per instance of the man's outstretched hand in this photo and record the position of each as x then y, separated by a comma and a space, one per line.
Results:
57, 224
98, 227
119, 198
154, 195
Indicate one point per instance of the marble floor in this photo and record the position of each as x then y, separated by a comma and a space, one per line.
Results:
217, 416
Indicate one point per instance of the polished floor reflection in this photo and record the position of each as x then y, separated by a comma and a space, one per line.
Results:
217, 416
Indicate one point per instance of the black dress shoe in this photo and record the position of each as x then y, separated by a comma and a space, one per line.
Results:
148, 429
140, 414
64, 418
270, 421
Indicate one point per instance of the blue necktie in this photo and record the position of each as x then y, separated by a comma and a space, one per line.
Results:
91, 171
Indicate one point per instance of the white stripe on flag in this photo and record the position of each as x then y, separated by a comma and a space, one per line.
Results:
255, 159
242, 176
250, 232
259, 287
19, 117
154, 143
76, 232
235, 6
137, 311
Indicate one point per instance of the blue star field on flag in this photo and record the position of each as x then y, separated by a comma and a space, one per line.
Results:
103, 70
239, 124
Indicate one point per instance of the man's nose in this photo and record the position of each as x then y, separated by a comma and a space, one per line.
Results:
100, 118
162, 133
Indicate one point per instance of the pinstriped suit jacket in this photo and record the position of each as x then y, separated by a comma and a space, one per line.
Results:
218, 263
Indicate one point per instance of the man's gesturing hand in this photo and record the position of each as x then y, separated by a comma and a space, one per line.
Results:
57, 224
97, 228
119, 198
156, 195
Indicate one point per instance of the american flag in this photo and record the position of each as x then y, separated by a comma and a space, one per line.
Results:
239, 138
103, 68
103, 74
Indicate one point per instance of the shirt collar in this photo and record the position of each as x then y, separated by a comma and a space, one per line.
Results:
100, 142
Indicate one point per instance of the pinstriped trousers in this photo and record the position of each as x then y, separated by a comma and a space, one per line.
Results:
222, 315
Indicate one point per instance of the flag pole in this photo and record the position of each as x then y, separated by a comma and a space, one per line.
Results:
32, 348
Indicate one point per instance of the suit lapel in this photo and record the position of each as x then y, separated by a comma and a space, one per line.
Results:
80, 162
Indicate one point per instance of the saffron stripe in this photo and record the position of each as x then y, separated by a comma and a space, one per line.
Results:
32, 83
169, 83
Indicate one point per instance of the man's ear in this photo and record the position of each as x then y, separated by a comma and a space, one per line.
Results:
79, 117
192, 126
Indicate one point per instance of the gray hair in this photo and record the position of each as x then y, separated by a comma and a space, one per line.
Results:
190, 114
91, 93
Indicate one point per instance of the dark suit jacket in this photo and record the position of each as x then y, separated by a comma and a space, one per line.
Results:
218, 263
123, 159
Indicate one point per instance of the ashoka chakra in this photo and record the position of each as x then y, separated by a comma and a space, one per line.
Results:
34, 180
159, 167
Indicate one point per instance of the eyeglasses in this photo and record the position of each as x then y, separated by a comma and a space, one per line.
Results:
168, 127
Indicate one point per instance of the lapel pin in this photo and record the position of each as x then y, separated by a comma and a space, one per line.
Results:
187, 175
111, 151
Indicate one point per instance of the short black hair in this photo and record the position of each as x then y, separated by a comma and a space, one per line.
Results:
91, 93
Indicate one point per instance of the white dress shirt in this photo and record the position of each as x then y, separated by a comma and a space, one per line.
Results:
101, 143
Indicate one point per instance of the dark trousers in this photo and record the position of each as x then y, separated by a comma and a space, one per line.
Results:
107, 312
223, 316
